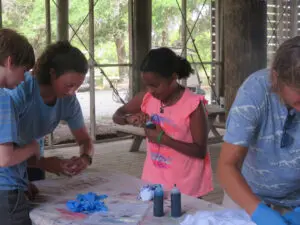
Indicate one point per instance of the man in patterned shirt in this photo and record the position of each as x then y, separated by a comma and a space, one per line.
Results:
16, 57
259, 166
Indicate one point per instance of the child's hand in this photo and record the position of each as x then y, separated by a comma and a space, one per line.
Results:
153, 134
32, 191
75, 165
52, 165
138, 119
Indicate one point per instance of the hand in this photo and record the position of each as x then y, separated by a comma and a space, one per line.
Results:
32, 191
53, 165
76, 165
138, 119
264, 215
293, 217
152, 134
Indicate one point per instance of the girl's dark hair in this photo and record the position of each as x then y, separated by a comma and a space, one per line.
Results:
62, 57
165, 62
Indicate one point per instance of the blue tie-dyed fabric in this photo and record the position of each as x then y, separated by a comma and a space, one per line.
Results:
256, 121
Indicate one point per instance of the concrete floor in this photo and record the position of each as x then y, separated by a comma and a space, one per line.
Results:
114, 156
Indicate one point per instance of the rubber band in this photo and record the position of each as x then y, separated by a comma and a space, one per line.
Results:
159, 137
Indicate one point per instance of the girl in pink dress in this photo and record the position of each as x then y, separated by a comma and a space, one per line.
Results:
177, 148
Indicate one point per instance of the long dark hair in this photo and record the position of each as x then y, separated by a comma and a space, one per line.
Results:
61, 57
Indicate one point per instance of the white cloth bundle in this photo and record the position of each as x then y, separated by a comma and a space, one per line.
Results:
223, 217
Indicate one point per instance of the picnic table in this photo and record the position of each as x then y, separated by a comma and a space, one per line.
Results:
123, 205
213, 112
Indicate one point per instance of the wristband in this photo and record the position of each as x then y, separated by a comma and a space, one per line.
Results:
89, 158
160, 136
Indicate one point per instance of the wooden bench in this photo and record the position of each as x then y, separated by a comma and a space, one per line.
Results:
213, 112
219, 125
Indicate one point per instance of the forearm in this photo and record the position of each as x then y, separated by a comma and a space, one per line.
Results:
119, 117
17, 156
87, 147
236, 187
189, 149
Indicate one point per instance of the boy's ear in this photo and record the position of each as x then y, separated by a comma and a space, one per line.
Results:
8, 62
52, 74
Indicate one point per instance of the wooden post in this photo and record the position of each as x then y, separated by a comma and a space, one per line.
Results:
130, 39
245, 43
1, 13
142, 28
294, 18
92, 70
183, 35
62, 20
48, 22
216, 50
141, 44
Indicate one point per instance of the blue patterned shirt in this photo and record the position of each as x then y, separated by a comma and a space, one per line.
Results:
9, 176
256, 121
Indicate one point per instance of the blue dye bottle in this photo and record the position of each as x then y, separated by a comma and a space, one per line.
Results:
158, 202
175, 202
150, 125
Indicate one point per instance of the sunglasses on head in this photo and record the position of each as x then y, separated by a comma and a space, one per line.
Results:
286, 139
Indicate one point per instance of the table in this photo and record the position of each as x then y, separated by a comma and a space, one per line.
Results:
122, 191
213, 112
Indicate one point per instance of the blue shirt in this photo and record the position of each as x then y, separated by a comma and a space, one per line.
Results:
36, 119
256, 121
8, 134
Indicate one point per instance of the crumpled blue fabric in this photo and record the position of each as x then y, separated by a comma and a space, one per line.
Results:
88, 203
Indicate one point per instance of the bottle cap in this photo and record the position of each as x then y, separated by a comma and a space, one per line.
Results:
175, 189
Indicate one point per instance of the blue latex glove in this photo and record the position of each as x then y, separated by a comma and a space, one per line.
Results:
264, 215
293, 217
88, 203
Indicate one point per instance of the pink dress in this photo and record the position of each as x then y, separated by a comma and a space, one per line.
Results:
164, 165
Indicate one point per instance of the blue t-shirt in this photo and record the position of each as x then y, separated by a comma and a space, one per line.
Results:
8, 134
36, 119
256, 121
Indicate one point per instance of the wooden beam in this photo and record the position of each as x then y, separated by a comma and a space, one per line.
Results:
294, 18
245, 43
130, 39
92, 70
142, 28
62, 20
1, 14
48, 22
183, 34
217, 49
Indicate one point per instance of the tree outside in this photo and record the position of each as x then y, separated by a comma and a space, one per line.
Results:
111, 27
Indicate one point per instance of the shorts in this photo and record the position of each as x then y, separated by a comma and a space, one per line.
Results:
14, 208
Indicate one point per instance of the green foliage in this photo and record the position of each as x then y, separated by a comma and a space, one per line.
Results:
111, 26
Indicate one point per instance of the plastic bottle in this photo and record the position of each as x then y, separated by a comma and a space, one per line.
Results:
150, 125
175, 202
158, 202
